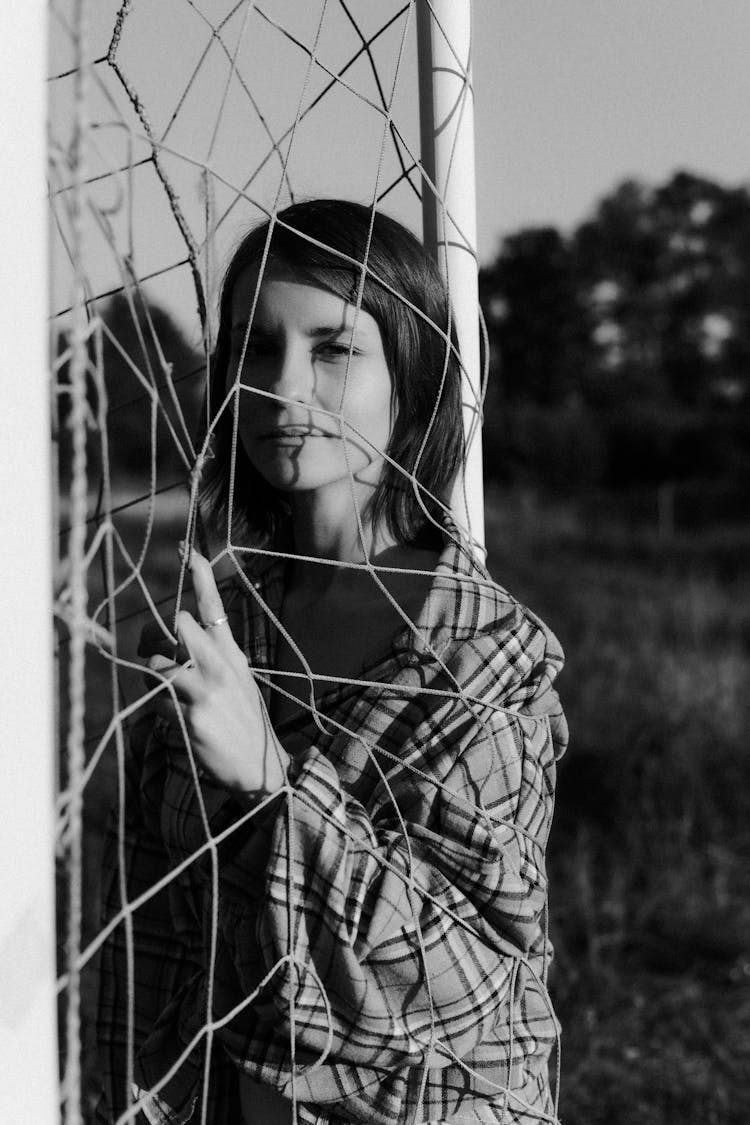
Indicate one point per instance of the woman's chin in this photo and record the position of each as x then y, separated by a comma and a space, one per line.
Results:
288, 475
299, 472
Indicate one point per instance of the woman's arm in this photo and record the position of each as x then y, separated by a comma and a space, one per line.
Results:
405, 937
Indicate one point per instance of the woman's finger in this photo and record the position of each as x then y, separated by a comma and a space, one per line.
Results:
184, 683
211, 611
209, 661
159, 668
207, 596
163, 664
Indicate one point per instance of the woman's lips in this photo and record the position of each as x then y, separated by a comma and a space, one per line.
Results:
293, 433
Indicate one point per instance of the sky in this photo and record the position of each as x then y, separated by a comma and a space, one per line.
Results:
574, 95
571, 96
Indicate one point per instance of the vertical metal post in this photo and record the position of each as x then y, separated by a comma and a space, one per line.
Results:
449, 211
28, 1075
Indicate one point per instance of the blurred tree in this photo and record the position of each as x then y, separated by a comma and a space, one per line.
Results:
706, 270
534, 318
664, 273
617, 275
639, 323
153, 388
647, 298
143, 336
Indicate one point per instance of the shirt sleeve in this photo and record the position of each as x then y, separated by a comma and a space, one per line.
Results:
392, 942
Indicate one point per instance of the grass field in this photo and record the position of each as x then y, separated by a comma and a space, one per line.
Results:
649, 858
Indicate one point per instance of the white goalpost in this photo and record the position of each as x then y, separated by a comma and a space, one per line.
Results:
446, 102
28, 1075
156, 165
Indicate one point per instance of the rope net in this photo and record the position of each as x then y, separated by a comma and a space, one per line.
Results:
174, 128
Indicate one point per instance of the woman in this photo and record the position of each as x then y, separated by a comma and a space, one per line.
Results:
349, 790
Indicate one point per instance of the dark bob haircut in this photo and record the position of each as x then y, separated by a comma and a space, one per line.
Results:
324, 243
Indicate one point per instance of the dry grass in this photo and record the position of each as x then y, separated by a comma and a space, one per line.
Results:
649, 854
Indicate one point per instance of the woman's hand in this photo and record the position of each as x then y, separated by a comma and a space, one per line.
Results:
224, 712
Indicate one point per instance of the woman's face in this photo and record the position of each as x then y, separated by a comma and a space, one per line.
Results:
315, 390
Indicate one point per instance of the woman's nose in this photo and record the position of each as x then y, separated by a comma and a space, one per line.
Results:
292, 377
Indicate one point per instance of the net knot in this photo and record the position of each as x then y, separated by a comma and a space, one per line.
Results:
196, 473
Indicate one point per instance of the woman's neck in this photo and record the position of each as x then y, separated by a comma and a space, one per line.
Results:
330, 532
326, 527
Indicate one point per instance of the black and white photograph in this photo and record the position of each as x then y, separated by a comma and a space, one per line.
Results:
376, 584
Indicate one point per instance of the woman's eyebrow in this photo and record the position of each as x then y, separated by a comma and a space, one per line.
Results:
328, 330
316, 332
332, 330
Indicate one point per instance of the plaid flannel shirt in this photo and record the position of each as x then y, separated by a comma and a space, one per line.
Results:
371, 940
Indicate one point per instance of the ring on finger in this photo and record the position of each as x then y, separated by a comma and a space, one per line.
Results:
219, 621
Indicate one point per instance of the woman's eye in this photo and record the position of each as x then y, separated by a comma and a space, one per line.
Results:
333, 351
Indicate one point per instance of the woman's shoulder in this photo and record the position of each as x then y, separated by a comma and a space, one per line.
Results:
472, 605
484, 636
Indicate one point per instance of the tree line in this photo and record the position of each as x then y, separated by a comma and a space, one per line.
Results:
145, 385
619, 352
